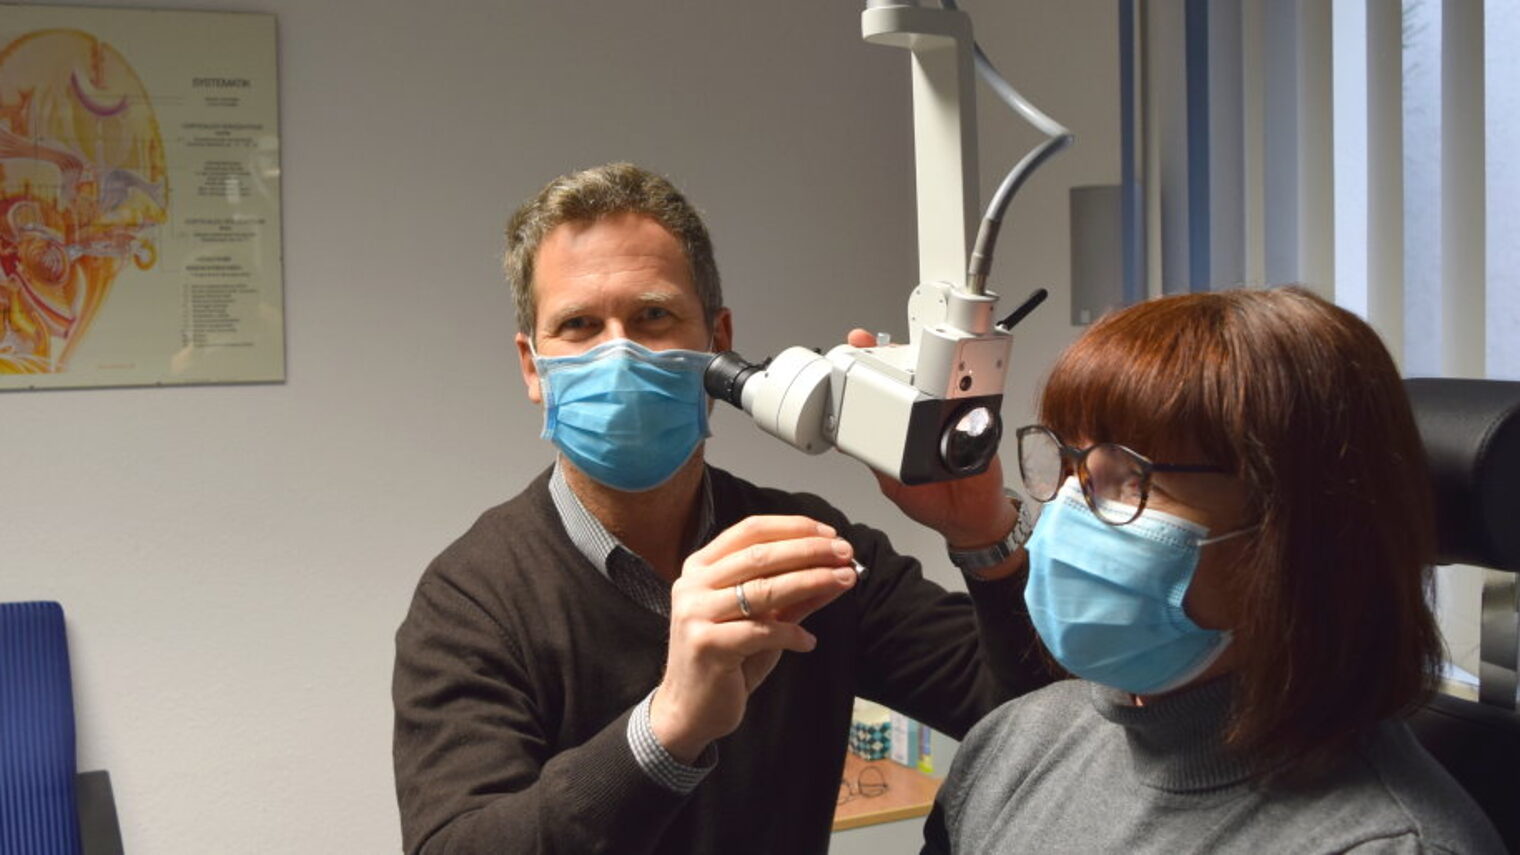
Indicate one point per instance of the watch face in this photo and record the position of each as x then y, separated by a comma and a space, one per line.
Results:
978, 559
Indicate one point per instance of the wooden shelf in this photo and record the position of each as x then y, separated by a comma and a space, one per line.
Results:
910, 793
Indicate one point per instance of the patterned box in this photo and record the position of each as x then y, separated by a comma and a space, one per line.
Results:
870, 731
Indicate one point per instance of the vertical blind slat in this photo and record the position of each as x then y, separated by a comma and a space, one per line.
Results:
1501, 96
1351, 167
1316, 181
1226, 155
1385, 173
1252, 83
1462, 194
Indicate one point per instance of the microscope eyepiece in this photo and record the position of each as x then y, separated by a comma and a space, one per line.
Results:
726, 375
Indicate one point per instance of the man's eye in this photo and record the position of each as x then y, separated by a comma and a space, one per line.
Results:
655, 313
576, 327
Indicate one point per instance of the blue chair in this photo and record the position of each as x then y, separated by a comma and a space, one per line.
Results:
38, 810
1471, 433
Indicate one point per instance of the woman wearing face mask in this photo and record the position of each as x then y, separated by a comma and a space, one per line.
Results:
1232, 559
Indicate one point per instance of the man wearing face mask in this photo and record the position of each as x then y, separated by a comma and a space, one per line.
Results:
641, 653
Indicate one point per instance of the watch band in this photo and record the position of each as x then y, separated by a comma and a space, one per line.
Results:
973, 561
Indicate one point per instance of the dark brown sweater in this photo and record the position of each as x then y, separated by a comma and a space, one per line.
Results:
519, 662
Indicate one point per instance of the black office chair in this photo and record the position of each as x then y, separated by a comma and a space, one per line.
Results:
1471, 431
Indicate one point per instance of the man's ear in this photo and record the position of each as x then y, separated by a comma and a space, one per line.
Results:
529, 370
723, 331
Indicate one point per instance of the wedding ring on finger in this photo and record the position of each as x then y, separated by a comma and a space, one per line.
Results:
744, 607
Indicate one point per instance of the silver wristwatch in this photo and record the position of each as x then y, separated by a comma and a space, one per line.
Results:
973, 561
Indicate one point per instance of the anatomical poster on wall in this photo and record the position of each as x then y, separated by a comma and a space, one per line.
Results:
139, 198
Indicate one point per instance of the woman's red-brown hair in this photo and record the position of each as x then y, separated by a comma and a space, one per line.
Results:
1302, 401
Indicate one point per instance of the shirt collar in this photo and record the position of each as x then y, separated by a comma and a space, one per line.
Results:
594, 540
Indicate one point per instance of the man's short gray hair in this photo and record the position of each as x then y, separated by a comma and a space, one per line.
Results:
601, 191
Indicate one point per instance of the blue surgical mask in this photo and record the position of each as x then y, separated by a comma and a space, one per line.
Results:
625, 415
1107, 600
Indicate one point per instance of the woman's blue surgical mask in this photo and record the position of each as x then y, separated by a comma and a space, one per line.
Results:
627, 416
1107, 600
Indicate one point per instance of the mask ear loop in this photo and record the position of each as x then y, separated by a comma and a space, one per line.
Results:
1228, 535
543, 379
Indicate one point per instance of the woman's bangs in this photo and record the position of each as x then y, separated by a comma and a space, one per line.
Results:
1141, 378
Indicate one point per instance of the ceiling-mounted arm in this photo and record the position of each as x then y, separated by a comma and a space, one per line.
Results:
944, 129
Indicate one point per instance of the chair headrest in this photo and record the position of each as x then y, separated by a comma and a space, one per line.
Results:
1471, 431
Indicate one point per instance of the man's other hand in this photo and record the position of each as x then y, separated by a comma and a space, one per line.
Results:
968, 512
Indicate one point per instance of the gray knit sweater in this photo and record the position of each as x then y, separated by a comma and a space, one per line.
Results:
1075, 768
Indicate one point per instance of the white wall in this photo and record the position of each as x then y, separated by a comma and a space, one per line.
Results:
234, 560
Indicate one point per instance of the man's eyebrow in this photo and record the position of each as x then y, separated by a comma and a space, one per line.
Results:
570, 310
564, 313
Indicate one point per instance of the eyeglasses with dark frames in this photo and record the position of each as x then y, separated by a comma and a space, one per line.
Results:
1115, 480
869, 783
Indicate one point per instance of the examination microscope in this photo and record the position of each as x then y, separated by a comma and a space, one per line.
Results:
928, 410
